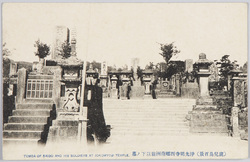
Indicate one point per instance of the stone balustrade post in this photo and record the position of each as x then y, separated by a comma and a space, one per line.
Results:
235, 121
21, 85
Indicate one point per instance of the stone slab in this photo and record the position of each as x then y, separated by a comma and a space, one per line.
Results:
208, 122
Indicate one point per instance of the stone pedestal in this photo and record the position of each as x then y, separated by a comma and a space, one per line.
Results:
66, 127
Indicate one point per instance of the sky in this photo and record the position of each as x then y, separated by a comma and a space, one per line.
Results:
117, 32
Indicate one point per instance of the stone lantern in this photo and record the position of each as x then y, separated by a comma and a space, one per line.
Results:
205, 116
203, 73
147, 78
71, 77
114, 91
92, 76
125, 78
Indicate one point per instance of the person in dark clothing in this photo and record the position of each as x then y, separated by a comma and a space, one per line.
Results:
153, 89
96, 123
118, 84
128, 91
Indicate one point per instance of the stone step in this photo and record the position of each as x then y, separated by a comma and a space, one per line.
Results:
186, 108
146, 114
39, 101
151, 119
28, 119
31, 112
146, 124
131, 117
149, 133
125, 102
22, 134
24, 126
128, 106
151, 101
14, 141
150, 127
149, 113
34, 106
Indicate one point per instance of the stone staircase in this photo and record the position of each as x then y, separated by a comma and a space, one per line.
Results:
29, 123
161, 117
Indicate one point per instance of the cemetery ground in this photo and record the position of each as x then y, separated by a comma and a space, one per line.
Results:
141, 140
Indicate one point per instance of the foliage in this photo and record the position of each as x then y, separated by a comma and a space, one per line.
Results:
43, 50
150, 66
244, 68
168, 51
226, 66
165, 70
65, 51
95, 65
6, 51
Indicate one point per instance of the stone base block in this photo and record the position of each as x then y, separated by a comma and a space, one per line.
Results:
114, 93
208, 122
63, 131
205, 107
204, 100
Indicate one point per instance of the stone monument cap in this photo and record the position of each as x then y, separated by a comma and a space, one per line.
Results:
203, 59
202, 56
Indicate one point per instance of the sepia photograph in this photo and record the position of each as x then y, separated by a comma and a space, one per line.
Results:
124, 81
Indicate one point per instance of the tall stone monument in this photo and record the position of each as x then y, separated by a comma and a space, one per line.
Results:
189, 65
61, 35
137, 90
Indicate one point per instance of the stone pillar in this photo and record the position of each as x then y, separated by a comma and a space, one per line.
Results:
177, 85
237, 91
235, 121
57, 86
21, 85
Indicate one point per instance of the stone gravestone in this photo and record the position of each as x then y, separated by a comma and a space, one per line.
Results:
189, 65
